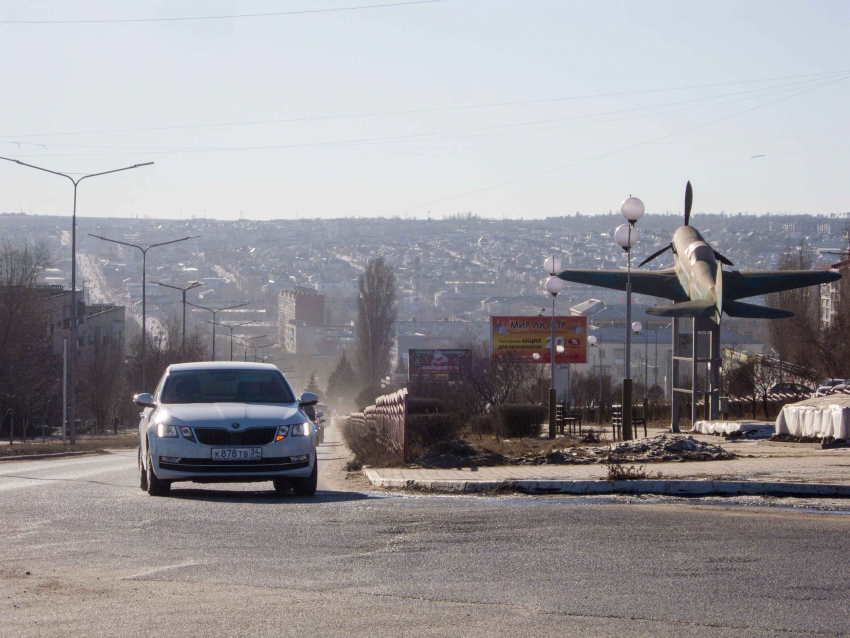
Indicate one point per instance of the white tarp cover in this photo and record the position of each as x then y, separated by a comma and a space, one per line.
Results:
817, 417
730, 427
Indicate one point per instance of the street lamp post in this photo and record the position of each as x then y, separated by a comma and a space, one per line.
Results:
637, 326
231, 327
626, 235
248, 345
592, 342
266, 345
72, 412
554, 285
214, 313
144, 290
194, 284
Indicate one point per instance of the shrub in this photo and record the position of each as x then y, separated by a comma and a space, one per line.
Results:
368, 442
425, 430
481, 424
420, 405
519, 420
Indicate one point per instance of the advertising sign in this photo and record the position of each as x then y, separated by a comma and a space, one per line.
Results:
438, 365
522, 337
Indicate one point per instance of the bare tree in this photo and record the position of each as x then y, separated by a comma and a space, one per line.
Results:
28, 370
163, 349
102, 379
376, 315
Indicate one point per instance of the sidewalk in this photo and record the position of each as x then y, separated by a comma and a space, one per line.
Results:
760, 469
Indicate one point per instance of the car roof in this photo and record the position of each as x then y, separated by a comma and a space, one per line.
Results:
222, 365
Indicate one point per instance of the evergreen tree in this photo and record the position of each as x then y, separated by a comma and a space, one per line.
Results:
376, 315
342, 384
312, 385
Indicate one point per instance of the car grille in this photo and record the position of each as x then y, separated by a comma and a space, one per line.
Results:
257, 466
220, 436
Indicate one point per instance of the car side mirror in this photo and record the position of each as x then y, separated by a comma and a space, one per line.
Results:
144, 400
308, 398
319, 414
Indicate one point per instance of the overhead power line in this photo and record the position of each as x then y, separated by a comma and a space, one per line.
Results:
823, 75
224, 17
433, 136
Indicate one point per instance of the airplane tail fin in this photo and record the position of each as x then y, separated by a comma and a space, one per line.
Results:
753, 311
699, 308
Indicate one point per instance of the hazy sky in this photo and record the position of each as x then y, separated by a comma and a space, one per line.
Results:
65, 85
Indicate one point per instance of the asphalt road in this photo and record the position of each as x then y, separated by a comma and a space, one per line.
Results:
84, 552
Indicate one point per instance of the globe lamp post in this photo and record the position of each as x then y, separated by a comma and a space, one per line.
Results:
554, 285
626, 236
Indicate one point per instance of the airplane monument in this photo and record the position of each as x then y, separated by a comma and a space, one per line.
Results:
702, 291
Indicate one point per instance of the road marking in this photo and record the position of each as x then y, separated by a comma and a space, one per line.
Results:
156, 570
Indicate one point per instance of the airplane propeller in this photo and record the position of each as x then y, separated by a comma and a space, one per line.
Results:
689, 200
656, 254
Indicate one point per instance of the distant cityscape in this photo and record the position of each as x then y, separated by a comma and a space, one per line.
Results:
298, 278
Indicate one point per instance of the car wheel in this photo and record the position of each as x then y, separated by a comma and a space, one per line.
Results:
307, 486
282, 486
143, 474
156, 487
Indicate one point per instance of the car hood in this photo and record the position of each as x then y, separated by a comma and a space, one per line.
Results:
225, 414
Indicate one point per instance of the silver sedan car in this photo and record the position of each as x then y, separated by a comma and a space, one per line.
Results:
223, 422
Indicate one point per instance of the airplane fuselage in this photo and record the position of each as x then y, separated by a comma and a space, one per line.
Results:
695, 264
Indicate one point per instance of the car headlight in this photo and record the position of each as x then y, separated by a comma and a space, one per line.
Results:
300, 429
282, 431
166, 431
187, 433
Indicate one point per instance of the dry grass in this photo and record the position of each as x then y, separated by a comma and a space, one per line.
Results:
84, 444
521, 447
617, 472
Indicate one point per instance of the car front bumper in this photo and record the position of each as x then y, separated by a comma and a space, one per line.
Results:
176, 459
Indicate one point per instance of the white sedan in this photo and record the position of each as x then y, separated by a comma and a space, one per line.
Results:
226, 422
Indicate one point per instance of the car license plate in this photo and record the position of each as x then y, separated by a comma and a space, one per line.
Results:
237, 453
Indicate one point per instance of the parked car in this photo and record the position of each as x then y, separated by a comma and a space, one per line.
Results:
226, 422
827, 386
790, 389
316, 416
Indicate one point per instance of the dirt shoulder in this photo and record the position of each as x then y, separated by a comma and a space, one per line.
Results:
92, 444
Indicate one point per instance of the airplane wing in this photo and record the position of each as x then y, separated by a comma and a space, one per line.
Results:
742, 284
662, 283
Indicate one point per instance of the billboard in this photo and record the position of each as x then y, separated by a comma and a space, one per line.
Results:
438, 365
522, 337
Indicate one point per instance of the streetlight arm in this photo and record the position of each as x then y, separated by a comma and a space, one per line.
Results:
173, 241
194, 284
219, 310
38, 168
47, 170
115, 241
117, 170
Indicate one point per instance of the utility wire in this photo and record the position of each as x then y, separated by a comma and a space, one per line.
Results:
427, 110
223, 17
426, 137
616, 152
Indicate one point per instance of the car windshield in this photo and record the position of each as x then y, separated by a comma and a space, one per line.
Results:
226, 386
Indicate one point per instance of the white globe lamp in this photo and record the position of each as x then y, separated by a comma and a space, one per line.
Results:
632, 209
591, 340
554, 285
637, 326
552, 264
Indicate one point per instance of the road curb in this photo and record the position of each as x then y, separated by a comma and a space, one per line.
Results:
667, 488
37, 457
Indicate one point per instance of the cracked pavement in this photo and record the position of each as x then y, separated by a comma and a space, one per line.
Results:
85, 552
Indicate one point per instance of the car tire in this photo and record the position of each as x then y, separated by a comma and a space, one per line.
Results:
156, 487
143, 474
307, 486
282, 486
